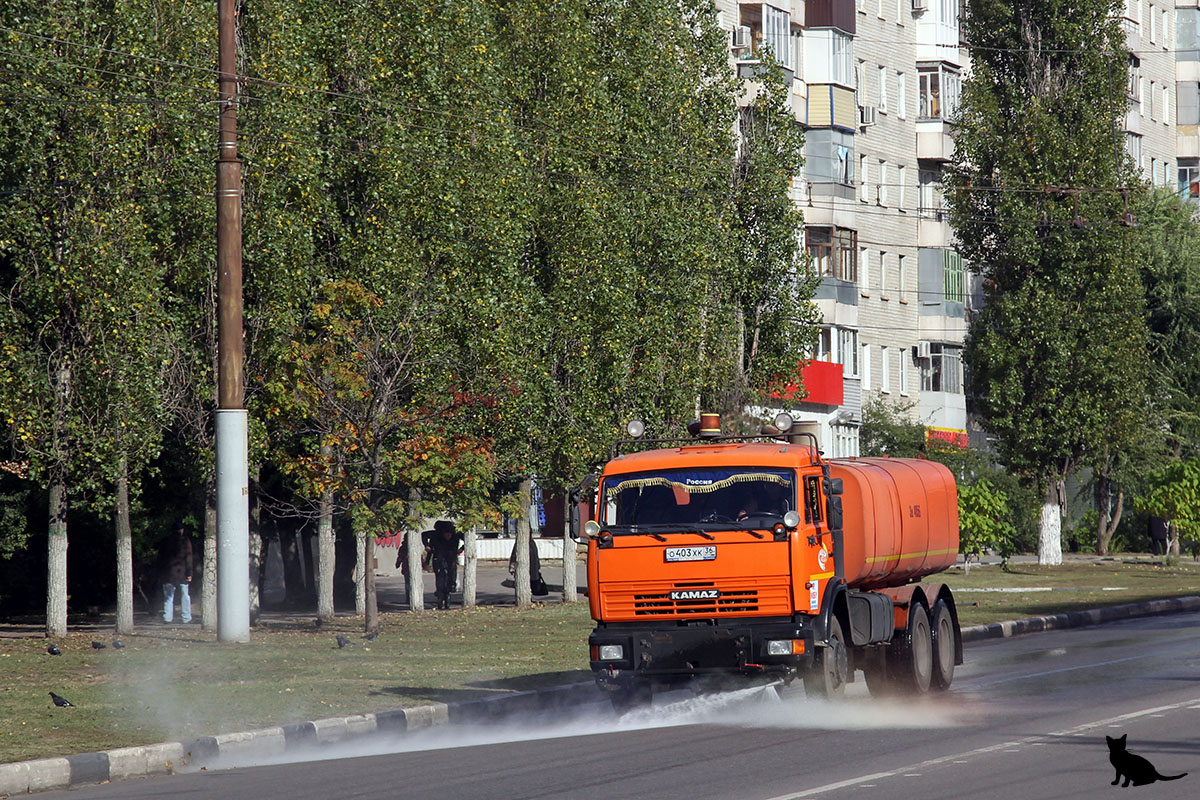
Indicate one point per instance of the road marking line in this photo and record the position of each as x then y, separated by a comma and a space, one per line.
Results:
963, 758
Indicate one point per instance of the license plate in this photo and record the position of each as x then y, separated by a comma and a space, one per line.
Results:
706, 552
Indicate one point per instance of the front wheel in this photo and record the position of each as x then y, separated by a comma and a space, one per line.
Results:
828, 676
630, 696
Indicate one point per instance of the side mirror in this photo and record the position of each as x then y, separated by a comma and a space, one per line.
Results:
833, 510
833, 487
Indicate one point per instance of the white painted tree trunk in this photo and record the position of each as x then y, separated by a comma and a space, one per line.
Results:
56, 562
325, 559
124, 552
416, 585
360, 576
1050, 529
570, 590
208, 586
469, 568
523, 588
255, 550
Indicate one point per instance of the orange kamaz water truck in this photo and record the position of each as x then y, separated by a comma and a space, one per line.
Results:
721, 556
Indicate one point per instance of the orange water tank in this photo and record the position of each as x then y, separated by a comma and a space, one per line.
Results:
900, 517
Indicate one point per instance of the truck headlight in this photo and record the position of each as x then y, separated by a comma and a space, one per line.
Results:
785, 647
611, 652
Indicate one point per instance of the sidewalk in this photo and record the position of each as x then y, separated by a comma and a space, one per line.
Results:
493, 588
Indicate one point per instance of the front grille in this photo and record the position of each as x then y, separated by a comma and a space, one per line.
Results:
736, 598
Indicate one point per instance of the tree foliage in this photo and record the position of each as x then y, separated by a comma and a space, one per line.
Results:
1038, 195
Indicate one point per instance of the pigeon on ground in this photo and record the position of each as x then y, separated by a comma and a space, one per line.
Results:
53, 650
342, 641
370, 635
117, 643
61, 702
98, 645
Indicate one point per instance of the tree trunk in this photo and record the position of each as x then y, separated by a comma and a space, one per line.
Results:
569, 590
469, 567
56, 561
208, 586
1106, 524
124, 551
1050, 530
255, 546
416, 583
360, 575
372, 600
325, 558
523, 589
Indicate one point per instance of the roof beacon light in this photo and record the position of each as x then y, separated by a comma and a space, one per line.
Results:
635, 428
710, 425
784, 422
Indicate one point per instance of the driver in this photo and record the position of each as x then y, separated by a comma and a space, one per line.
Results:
749, 507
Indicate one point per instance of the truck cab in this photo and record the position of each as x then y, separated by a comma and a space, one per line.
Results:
723, 557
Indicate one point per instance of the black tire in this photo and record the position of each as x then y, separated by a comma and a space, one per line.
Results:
628, 697
942, 628
910, 660
828, 676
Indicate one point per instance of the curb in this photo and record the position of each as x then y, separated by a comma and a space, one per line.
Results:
168, 758
1078, 619
171, 757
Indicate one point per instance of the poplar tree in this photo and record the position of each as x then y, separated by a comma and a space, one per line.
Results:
1038, 197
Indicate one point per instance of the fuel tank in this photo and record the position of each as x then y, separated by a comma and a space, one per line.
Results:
900, 517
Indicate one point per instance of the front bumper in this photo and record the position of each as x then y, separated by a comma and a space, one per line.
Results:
681, 652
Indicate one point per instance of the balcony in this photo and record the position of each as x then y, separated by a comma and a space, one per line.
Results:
934, 142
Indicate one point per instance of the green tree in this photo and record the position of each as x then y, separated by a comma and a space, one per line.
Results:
982, 521
1057, 356
1174, 495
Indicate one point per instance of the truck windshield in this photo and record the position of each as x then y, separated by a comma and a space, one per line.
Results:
696, 498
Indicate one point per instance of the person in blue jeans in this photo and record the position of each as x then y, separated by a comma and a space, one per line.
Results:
175, 565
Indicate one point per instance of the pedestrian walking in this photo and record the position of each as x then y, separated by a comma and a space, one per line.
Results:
175, 572
444, 544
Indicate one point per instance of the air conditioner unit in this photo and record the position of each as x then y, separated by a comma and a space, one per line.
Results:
741, 38
923, 350
920, 5
866, 115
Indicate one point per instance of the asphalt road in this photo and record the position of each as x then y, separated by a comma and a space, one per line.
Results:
1026, 718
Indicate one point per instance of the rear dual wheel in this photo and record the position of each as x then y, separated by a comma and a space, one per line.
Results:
907, 664
943, 647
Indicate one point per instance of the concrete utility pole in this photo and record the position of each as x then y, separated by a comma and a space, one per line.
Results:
233, 494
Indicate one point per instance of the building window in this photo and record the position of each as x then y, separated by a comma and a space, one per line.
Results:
1135, 79
1150, 99
882, 194
1133, 146
844, 166
777, 29
1153, 21
930, 199
843, 59
1166, 105
1189, 181
903, 372
942, 371
865, 367
954, 277
864, 264
847, 352
885, 370
901, 96
901, 280
845, 440
1153, 171
833, 252
864, 178
938, 86
883, 92
901, 186
1141, 96
883, 284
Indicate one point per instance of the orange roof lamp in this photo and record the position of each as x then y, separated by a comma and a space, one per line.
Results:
745, 555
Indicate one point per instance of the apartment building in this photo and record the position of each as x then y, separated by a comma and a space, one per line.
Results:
875, 83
